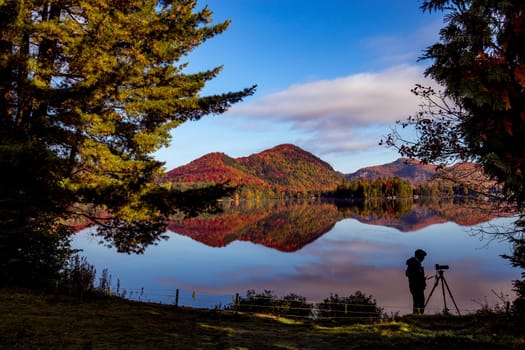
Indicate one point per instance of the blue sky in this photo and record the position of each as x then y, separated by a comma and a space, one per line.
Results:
333, 76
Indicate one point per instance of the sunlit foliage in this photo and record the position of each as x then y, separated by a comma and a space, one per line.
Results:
285, 171
89, 90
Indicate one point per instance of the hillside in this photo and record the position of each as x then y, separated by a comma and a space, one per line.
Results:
409, 169
291, 167
213, 168
282, 168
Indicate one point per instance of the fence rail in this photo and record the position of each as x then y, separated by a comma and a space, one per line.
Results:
234, 301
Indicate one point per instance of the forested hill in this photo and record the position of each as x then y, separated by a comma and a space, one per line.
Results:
291, 167
409, 169
289, 170
279, 169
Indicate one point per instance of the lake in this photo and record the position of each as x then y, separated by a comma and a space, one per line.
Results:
313, 250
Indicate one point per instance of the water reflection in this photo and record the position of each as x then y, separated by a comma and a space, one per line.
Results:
289, 226
408, 216
314, 249
283, 226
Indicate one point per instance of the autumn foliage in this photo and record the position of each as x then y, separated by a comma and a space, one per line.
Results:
285, 170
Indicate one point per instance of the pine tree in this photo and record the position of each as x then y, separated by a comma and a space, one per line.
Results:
89, 89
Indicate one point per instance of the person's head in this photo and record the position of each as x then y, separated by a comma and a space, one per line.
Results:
420, 254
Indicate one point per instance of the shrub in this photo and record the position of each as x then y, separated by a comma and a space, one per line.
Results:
292, 305
356, 308
34, 257
78, 277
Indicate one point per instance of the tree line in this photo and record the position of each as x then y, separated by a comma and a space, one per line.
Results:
399, 188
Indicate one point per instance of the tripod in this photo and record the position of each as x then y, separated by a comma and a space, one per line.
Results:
440, 277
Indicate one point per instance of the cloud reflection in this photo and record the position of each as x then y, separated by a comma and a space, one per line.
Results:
345, 267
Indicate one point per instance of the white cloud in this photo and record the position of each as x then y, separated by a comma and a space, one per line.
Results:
342, 114
360, 99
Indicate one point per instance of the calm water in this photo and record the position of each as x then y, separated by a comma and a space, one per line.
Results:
313, 251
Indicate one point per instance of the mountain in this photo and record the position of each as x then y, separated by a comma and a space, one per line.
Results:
409, 169
284, 167
292, 169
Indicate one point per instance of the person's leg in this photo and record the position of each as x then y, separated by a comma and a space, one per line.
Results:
418, 301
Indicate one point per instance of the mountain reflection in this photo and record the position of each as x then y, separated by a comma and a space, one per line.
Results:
410, 216
289, 226
283, 226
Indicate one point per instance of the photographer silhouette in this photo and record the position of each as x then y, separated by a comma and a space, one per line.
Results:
416, 280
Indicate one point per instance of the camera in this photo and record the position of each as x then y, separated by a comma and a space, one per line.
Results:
441, 267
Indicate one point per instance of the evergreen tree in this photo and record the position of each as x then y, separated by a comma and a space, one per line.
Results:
480, 114
89, 89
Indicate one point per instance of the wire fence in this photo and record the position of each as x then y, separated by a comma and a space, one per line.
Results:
298, 308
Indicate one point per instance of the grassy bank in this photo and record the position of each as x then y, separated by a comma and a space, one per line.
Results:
30, 320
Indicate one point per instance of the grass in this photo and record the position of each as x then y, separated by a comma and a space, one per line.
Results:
31, 320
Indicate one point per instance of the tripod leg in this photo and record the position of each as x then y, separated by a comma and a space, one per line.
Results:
445, 308
451, 297
436, 281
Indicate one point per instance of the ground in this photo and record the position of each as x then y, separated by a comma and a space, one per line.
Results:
38, 320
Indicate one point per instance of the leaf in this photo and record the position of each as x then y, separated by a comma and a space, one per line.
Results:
507, 125
519, 74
